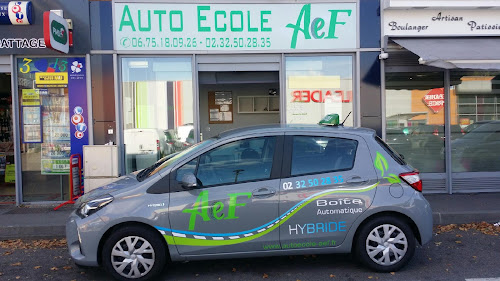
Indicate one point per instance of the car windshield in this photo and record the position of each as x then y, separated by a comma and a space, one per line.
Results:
169, 159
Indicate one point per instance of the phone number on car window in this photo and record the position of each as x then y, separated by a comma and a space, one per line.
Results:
312, 182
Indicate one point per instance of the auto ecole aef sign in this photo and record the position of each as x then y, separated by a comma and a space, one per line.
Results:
219, 27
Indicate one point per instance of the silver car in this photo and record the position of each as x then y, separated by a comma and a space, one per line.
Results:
260, 191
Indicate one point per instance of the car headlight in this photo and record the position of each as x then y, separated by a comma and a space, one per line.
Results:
94, 205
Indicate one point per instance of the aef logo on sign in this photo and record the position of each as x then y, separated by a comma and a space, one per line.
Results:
314, 28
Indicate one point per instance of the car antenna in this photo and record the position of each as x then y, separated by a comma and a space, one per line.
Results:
342, 124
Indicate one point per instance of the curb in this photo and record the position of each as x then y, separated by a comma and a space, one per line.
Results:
465, 217
32, 232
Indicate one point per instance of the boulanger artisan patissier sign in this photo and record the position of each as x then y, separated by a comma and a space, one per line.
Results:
441, 22
235, 26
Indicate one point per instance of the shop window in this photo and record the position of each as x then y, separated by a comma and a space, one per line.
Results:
317, 86
157, 108
53, 123
415, 117
477, 111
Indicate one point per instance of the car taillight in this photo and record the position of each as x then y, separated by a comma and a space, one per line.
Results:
158, 145
413, 179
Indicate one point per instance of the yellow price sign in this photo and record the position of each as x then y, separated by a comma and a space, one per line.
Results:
51, 79
31, 97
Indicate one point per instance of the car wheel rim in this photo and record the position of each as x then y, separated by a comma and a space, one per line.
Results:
386, 244
132, 257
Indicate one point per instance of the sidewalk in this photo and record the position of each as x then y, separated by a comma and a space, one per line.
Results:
465, 208
37, 221
33, 221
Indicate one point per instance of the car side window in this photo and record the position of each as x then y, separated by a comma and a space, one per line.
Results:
311, 154
189, 167
239, 161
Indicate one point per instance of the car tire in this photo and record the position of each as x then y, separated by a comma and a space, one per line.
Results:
385, 244
144, 263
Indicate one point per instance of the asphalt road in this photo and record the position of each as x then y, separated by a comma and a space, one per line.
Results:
454, 255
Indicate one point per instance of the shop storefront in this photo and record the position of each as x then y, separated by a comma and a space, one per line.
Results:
43, 101
190, 71
442, 91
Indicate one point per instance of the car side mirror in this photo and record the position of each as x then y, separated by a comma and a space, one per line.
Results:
189, 181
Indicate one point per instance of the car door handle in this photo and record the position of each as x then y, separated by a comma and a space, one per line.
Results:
356, 179
263, 192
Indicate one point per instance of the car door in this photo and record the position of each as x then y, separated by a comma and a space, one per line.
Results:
235, 206
328, 182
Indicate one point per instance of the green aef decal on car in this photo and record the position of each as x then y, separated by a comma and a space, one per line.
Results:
381, 165
188, 238
200, 208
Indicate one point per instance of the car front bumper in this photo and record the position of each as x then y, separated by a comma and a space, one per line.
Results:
83, 236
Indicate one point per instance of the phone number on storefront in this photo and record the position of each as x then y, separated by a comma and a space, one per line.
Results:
210, 42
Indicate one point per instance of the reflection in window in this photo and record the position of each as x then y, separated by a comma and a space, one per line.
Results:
476, 110
317, 86
318, 155
239, 161
189, 167
415, 118
157, 108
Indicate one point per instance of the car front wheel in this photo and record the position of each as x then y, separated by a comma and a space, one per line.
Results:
134, 253
385, 244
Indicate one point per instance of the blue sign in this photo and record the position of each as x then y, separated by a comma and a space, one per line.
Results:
16, 13
77, 91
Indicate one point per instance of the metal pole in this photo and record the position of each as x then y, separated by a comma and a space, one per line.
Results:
118, 116
447, 131
16, 131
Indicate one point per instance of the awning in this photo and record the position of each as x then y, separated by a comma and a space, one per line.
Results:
449, 53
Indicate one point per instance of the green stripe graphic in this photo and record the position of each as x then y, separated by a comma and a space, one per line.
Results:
201, 242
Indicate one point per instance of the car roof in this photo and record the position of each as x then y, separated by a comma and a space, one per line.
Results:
273, 128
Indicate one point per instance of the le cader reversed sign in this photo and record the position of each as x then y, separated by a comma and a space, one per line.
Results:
55, 32
16, 13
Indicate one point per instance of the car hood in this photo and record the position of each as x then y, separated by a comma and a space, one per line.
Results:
122, 184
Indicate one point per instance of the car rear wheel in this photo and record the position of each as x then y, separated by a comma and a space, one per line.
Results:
134, 253
385, 244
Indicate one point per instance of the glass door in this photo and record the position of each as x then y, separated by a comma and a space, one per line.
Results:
7, 168
53, 122
230, 100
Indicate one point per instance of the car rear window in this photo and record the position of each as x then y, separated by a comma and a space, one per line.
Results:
390, 151
312, 154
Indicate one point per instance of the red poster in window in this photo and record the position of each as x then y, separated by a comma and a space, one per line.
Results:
434, 99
